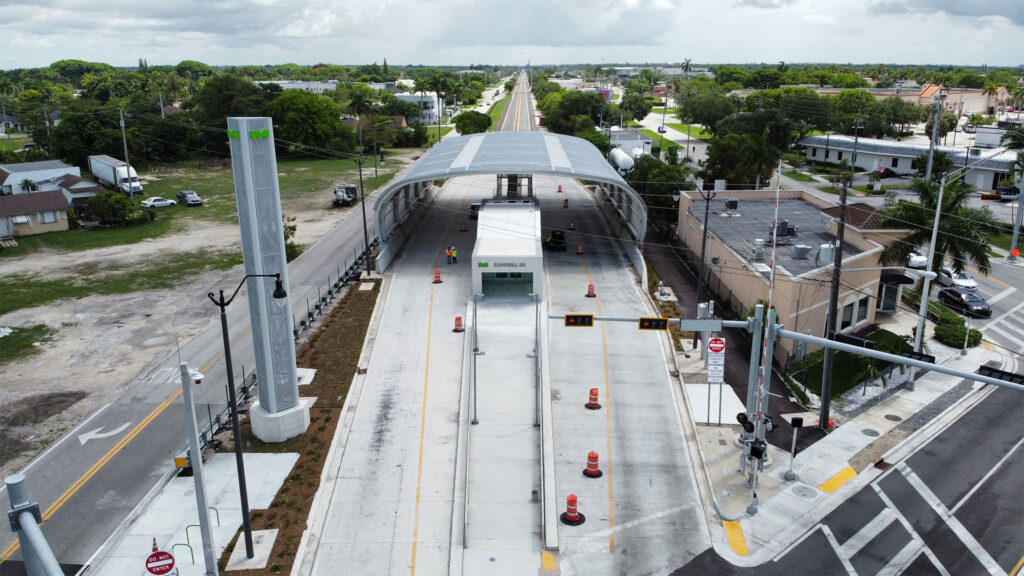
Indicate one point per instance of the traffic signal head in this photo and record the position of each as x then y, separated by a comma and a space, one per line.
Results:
748, 426
579, 319
653, 324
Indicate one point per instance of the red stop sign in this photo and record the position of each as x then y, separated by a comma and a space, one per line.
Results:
160, 562
716, 345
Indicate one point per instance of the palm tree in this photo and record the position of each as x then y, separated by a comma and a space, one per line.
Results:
1014, 138
28, 185
686, 68
869, 371
443, 84
962, 235
360, 104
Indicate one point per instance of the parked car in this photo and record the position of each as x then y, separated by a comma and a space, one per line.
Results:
555, 241
189, 198
917, 260
157, 202
947, 277
969, 128
966, 302
344, 195
883, 172
661, 129
474, 210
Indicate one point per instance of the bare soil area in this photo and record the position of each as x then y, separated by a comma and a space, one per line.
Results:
100, 343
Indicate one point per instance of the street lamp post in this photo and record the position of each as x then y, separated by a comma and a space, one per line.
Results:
362, 203
221, 303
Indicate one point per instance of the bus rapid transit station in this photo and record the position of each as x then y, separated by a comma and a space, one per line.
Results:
466, 443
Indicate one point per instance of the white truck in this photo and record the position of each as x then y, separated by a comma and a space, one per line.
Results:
115, 173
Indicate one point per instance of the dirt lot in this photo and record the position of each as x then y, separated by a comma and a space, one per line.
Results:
102, 342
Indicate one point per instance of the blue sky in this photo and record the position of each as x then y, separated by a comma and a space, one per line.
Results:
461, 32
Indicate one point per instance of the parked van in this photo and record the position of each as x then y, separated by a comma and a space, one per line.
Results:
474, 210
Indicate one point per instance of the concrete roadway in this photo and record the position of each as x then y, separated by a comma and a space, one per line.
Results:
918, 518
519, 112
96, 484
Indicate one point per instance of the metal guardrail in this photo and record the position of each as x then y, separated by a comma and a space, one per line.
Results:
221, 418
333, 288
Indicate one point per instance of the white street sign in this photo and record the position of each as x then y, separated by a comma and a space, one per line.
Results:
716, 359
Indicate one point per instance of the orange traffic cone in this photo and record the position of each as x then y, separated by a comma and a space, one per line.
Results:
572, 516
590, 290
458, 325
592, 470
592, 404
463, 227
155, 549
579, 249
565, 203
437, 276
572, 224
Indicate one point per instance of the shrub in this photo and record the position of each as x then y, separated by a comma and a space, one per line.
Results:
952, 335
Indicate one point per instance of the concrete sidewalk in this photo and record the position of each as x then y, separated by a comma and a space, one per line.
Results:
828, 472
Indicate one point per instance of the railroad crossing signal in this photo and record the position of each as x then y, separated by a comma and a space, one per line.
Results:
579, 319
653, 324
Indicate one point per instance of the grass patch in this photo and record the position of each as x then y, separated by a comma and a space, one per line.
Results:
800, 176
74, 240
21, 342
845, 366
496, 110
696, 131
830, 189
1003, 240
655, 137
27, 291
432, 134
334, 351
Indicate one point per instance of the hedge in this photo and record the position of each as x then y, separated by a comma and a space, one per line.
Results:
952, 335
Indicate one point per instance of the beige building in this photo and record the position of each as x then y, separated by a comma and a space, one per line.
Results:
738, 257
33, 213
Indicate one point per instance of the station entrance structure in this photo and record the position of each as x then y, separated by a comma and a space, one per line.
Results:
507, 257
511, 153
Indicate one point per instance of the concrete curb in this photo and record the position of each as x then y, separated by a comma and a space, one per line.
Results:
549, 499
460, 488
305, 556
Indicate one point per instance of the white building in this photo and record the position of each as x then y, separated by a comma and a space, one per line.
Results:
507, 259
901, 157
46, 171
428, 103
314, 87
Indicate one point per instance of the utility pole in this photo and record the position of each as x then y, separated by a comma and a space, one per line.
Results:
856, 138
830, 322
127, 163
1017, 220
362, 201
162, 105
936, 116
708, 196
7, 129
46, 121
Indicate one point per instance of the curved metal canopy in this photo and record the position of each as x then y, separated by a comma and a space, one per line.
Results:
509, 153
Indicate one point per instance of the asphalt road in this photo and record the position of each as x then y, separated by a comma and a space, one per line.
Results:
87, 485
518, 113
918, 518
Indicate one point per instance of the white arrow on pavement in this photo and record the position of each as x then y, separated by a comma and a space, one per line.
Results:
96, 434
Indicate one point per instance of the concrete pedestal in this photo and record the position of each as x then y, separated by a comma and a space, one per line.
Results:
282, 425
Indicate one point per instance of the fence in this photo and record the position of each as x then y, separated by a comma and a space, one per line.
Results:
333, 288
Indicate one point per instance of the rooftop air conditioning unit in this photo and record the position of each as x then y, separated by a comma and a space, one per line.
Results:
826, 254
801, 251
732, 203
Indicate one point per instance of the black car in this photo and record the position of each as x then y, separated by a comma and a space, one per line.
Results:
966, 302
555, 241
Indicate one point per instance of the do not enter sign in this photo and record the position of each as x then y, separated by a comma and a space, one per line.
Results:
716, 345
159, 563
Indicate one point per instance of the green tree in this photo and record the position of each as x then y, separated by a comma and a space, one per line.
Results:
306, 119
636, 106
705, 109
472, 122
947, 123
109, 207
962, 234
941, 163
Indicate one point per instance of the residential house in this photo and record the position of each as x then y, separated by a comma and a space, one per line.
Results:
428, 103
10, 124
33, 213
14, 177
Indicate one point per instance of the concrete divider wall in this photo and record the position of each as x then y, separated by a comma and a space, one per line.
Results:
549, 500
460, 499
390, 246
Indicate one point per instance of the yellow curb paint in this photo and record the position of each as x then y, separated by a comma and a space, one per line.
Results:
1016, 569
735, 534
833, 483
988, 346
548, 562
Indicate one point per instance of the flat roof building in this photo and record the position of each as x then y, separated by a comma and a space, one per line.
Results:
507, 258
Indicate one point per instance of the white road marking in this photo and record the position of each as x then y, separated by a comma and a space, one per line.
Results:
984, 478
1004, 315
913, 533
901, 560
1001, 295
95, 433
973, 546
838, 550
1006, 335
867, 532
618, 527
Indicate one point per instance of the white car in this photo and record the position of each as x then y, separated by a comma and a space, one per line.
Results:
947, 277
917, 260
157, 202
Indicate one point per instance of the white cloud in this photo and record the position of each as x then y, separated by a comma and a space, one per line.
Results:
453, 32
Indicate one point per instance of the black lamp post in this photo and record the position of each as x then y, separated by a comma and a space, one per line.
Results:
362, 203
279, 293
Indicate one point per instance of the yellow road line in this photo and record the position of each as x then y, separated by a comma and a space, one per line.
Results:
734, 532
607, 419
833, 483
992, 278
95, 468
423, 424
1016, 569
